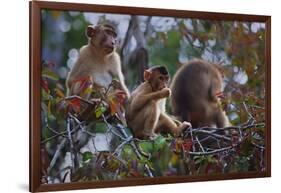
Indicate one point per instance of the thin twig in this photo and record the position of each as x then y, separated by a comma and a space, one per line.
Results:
202, 148
110, 128
148, 170
80, 125
56, 155
53, 137
192, 139
136, 150
119, 147
73, 155
59, 134
77, 97
212, 152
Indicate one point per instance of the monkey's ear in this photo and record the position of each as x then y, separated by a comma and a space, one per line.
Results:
90, 31
146, 75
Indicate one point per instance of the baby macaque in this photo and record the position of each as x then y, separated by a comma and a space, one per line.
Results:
196, 91
98, 62
145, 111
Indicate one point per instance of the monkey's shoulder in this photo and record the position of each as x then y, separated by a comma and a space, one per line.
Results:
142, 89
84, 51
113, 60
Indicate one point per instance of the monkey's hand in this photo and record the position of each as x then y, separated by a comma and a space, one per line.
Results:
121, 95
165, 93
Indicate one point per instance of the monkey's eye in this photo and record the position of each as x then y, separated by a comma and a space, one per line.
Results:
111, 33
161, 78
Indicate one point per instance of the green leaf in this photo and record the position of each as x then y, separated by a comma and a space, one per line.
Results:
128, 153
211, 159
99, 111
45, 95
49, 74
100, 127
127, 150
193, 51
146, 146
143, 160
173, 39
159, 143
87, 156
51, 117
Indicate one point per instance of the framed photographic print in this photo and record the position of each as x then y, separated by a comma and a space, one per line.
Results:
123, 96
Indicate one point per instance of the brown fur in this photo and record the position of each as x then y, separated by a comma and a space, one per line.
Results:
145, 111
194, 98
97, 60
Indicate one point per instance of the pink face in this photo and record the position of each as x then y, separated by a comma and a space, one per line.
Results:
161, 80
157, 80
103, 37
109, 40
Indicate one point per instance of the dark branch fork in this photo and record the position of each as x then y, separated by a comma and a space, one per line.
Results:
223, 135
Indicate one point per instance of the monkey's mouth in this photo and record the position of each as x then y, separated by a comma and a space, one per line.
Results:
109, 49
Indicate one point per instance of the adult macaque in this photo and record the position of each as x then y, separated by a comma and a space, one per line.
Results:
196, 88
98, 63
145, 111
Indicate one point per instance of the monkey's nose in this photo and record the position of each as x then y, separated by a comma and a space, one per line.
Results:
113, 42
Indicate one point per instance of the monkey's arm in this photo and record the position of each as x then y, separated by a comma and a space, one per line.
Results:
122, 82
171, 125
139, 101
117, 72
222, 119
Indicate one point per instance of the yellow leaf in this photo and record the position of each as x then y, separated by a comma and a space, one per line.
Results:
59, 93
85, 93
113, 107
49, 107
174, 159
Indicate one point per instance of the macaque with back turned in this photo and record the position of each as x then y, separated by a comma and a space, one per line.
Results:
145, 111
196, 92
98, 63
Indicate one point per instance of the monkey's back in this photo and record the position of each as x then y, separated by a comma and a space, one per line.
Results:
191, 90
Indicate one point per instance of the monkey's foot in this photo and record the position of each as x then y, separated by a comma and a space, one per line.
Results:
183, 126
186, 124
153, 136
150, 135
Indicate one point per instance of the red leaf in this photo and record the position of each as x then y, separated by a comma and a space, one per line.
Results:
134, 173
187, 144
83, 83
74, 104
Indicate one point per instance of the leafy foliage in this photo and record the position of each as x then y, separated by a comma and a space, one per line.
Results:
88, 140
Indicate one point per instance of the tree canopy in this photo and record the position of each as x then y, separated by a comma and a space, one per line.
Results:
112, 152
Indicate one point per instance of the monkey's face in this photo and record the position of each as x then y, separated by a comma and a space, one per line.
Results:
103, 38
159, 81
